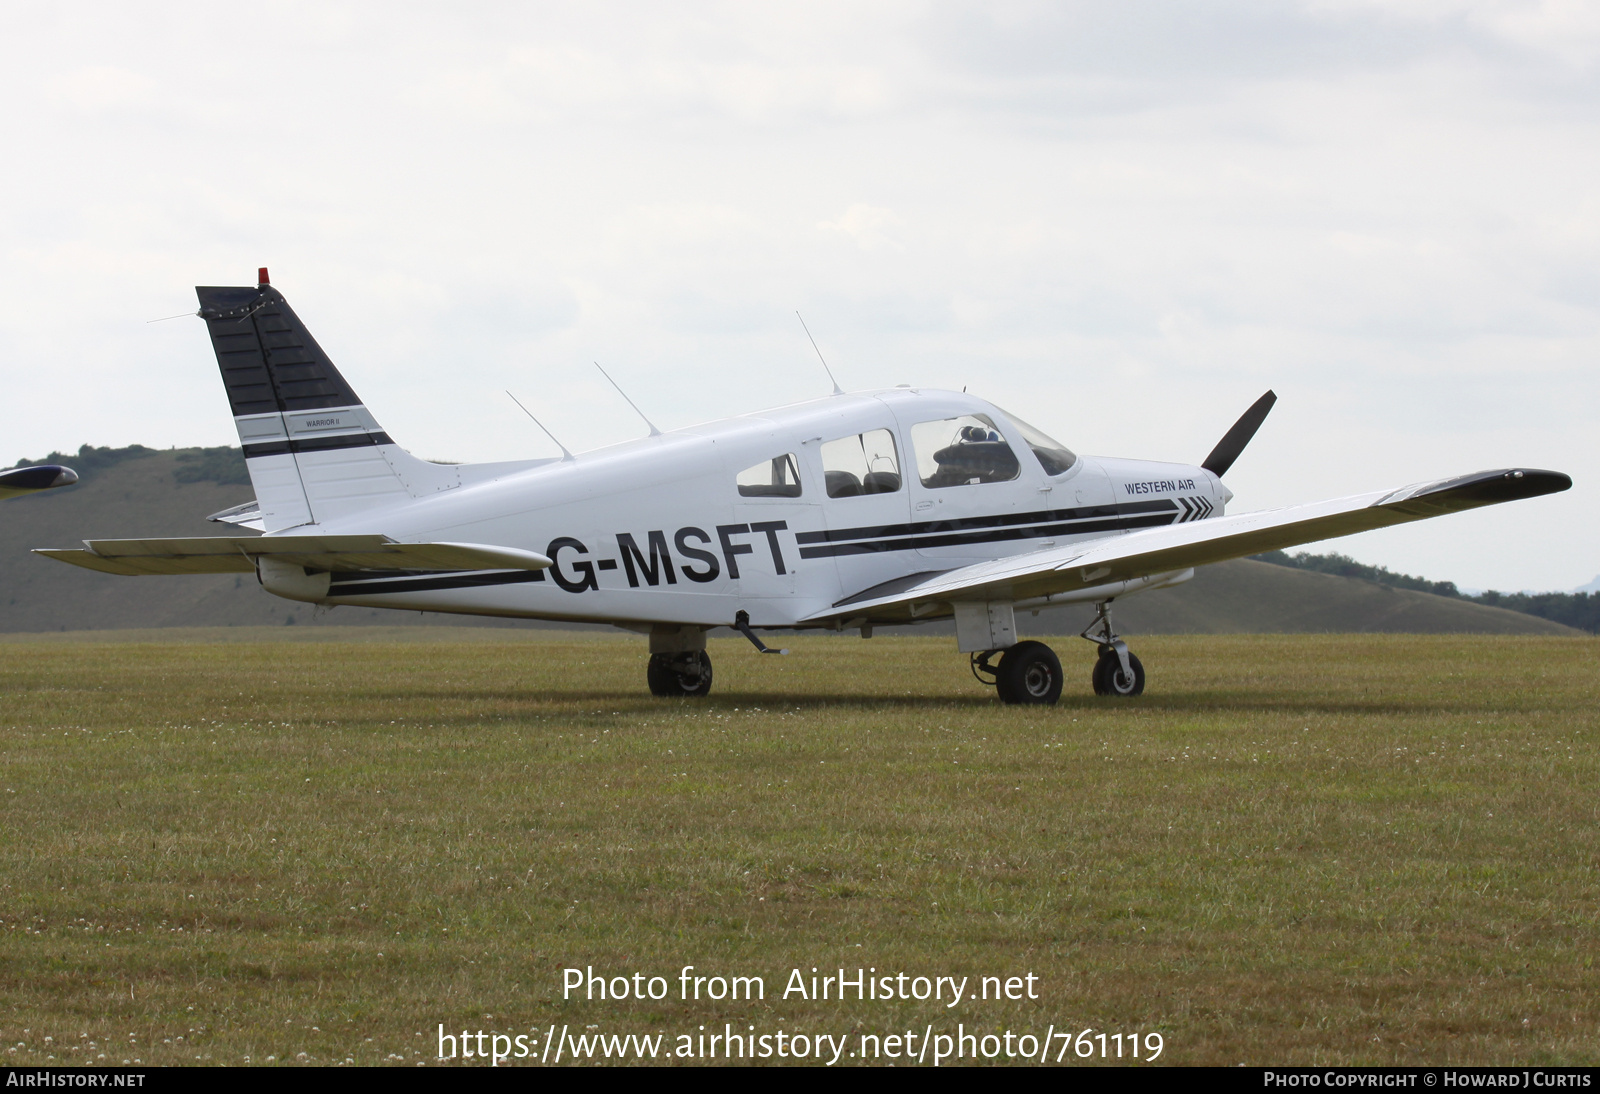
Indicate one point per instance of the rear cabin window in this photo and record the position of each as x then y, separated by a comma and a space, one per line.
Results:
961, 451
861, 464
778, 477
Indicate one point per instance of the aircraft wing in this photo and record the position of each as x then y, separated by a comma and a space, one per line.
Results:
1174, 548
337, 554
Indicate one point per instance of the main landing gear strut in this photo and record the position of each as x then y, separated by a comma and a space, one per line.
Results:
1029, 672
1117, 672
679, 665
681, 674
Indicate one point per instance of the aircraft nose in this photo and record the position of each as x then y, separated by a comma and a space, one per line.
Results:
66, 478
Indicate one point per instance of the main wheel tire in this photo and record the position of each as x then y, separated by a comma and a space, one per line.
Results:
1109, 679
679, 674
1029, 672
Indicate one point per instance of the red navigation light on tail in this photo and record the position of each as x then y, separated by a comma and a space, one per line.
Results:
262, 276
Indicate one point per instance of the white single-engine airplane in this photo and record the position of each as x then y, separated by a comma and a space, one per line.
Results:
849, 512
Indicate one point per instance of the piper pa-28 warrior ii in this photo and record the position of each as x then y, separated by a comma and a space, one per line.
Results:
850, 512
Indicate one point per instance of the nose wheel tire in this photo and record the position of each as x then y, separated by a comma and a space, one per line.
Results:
679, 674
1029, 672
1109, 679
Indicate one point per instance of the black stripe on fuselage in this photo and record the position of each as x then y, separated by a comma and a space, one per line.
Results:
1001, 529
926, 527
316, 444
925, 534
401, 581
998, 535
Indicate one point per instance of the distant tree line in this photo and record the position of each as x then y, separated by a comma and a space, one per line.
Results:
89, 459
1580, 610
223, 465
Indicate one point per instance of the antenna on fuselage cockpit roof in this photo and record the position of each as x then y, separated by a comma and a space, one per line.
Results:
837, 390
565, 455
654, 432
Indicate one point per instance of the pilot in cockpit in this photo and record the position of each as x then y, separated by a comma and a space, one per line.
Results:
978, 454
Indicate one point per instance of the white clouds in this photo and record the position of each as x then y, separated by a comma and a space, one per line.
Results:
100, 88
867, 226
1131, 217
1567, 31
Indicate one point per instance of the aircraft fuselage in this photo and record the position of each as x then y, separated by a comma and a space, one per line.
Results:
663, 531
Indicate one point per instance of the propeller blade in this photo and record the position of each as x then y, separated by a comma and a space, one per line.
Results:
1235, 439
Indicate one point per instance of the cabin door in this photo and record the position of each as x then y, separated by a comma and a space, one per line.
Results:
773, 510
864, 508
975, 493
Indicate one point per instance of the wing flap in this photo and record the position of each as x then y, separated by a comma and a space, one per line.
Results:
1153, 551
335, 554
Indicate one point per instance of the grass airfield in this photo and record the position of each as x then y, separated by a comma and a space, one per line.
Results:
1293, 849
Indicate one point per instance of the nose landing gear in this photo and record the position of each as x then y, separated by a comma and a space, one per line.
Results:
1117, 672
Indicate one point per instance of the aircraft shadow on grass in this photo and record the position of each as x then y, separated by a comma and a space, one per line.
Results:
1288, 702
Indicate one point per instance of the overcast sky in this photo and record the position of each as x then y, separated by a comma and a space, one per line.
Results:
1123, 220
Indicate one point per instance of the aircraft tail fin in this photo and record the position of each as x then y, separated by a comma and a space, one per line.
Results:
314, 451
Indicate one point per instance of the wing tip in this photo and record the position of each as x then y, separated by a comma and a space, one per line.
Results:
1485, 488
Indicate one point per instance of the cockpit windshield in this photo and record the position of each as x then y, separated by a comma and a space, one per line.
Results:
1055, 457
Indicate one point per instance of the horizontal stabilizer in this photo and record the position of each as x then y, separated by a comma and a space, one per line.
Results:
247, 515
1110, 565
333, 554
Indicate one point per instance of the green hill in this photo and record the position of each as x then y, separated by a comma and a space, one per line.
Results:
1580, 608
138, 491
1248, 597
130, 492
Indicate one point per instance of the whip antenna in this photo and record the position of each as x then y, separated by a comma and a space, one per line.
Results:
654, 432
565, 455
837, 390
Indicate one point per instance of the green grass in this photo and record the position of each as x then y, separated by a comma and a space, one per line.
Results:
1308, 849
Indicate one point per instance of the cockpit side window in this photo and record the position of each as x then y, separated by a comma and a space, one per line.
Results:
863, 463
1054, 457
778, 477
961, 451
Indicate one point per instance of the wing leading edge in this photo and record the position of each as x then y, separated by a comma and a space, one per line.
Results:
335, 554
1139, 556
